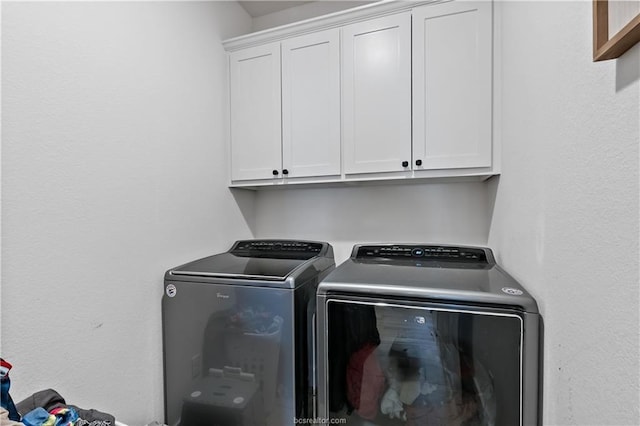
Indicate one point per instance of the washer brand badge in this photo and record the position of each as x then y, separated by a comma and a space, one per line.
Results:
222, 296
512, 291
171, 290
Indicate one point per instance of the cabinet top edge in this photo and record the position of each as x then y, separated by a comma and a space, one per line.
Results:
332, 20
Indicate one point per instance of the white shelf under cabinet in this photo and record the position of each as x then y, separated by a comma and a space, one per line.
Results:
418, 176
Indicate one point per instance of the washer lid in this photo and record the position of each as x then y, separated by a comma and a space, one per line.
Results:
428, 271
270, 260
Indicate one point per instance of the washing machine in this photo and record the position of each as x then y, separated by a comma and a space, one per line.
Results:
425, 334
238, 334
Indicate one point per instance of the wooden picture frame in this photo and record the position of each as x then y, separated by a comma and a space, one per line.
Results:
605, 48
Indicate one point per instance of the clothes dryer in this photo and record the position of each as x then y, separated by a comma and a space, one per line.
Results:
237, 334
423, 334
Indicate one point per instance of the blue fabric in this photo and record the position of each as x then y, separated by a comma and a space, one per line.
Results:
65, 416
5, 399
36, 417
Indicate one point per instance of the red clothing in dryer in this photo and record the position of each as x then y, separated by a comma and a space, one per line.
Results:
365, 382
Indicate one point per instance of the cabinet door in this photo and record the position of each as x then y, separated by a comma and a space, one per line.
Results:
452, 86
255, 112
311, 104
377, 94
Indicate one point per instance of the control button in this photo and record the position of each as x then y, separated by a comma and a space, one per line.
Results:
417, 252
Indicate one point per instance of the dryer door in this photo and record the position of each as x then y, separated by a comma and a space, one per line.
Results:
389, 363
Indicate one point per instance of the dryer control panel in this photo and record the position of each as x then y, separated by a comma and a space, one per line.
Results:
423, 252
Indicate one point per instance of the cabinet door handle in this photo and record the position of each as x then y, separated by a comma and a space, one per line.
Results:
275, 172
285, 171
405, 164
418, 162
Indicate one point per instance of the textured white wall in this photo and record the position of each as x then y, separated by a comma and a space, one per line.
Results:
565, 221
441, 213
113, 170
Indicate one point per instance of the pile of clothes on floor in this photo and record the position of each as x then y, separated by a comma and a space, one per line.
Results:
44, 408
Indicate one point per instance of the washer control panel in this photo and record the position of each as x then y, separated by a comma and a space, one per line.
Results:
425, 252
277, 246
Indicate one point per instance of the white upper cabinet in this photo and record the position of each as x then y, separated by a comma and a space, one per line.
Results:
311, 105
391, 90
452, 85
255, 112
376, 87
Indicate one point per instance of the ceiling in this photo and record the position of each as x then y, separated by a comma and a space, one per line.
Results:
258, 8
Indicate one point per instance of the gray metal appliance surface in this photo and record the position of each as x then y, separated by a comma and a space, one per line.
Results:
238, 334
425, 334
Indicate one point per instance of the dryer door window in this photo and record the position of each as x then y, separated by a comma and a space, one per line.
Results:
397, 365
